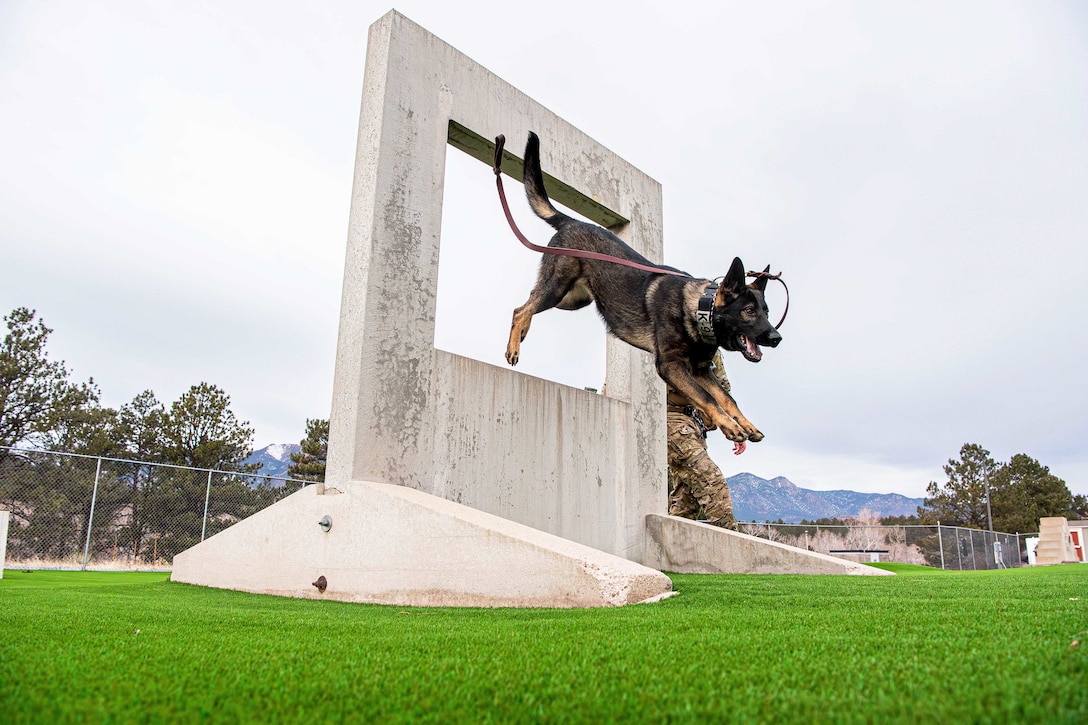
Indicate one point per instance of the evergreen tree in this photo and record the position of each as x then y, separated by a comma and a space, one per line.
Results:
309, 463
899, 521
150, 493
1080, 507
1023, 491
962, 500
39, 406
140, 428
202, 431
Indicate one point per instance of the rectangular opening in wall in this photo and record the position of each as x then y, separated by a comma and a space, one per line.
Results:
485, 272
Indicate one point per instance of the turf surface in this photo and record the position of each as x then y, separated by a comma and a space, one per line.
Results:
925, 646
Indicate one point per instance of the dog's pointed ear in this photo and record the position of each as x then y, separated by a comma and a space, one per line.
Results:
761, 282
732, 285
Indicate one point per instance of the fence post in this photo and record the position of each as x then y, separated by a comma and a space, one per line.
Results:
959, 547
90, 515
940, 543
207, 495
974, 562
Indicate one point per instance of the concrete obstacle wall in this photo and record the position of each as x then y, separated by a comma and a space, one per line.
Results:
451, 481
578, 465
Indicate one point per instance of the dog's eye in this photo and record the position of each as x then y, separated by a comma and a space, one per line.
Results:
749, 311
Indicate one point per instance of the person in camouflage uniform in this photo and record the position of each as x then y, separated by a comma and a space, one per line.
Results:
697, 488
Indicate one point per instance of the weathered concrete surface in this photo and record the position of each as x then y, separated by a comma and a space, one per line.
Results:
585, 467
391, 544
1055, 543
690, 547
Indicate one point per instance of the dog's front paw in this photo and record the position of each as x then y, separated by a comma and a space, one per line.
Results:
512, 356
751, 432
733, 431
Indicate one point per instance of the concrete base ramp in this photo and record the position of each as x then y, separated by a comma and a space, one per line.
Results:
690, 547
391, 544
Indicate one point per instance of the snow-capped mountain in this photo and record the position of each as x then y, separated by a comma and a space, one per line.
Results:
274, 459
754, 498
757, 499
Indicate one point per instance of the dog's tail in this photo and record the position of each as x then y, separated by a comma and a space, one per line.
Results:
534, 186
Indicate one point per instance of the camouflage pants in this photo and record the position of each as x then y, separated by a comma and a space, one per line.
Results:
697, 488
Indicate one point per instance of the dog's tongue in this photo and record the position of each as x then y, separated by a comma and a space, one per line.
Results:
753, 349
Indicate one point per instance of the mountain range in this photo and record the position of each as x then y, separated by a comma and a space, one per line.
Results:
274, 459
757, 499
754, 498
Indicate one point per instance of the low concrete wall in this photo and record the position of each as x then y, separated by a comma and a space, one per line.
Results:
690, 547
394, 545
549, 456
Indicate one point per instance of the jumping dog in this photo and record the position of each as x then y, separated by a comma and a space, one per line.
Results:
681, 320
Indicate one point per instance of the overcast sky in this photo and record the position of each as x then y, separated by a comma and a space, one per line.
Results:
175, 179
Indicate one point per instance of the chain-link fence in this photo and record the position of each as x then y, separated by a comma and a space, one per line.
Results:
81, 512
947, 547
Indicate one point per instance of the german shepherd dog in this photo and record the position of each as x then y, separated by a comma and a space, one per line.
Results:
656, 312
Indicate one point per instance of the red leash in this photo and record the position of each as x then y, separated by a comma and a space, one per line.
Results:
500, 142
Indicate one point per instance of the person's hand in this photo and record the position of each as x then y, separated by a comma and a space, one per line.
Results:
739, 447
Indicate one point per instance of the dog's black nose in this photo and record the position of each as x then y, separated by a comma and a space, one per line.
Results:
771, 339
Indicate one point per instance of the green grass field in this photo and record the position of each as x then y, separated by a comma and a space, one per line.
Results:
925, 646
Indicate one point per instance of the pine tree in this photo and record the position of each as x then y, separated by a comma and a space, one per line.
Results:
309, 463
1023, 491
140, 430
39, 405
202, 431
962, 500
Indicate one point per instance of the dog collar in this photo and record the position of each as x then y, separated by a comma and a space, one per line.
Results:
704, 315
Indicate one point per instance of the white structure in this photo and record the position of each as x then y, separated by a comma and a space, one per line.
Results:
377, 542
516, 455
1055, 542
491, 438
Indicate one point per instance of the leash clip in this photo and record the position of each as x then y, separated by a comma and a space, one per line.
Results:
692, 412
500, 142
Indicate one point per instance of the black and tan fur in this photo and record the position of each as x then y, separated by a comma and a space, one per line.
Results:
652, 311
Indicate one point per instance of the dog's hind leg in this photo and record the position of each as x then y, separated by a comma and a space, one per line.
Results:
557, 286
523, 316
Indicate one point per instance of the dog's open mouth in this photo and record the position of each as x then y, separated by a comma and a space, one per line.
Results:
749, 348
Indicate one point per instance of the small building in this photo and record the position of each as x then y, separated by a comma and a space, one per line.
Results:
1078, 531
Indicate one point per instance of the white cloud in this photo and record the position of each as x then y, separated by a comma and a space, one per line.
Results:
177, 180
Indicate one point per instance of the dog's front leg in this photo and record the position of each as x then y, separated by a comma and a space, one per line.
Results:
727, 404
678, 374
